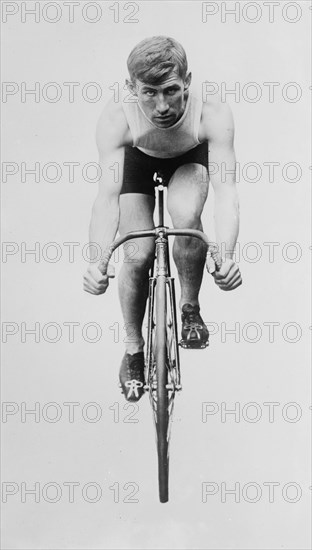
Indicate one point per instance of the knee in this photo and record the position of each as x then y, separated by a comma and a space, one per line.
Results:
139, 256
184, 214
187, 217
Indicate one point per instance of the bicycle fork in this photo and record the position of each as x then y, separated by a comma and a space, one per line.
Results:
162, 272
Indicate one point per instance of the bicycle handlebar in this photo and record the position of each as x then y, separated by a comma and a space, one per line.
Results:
212, 252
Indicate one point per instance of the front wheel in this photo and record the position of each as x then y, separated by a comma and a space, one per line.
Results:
163, 369
162, 410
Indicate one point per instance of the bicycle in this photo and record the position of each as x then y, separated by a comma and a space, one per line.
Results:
162, 361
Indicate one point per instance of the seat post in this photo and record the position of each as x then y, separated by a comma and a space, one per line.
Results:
159, 192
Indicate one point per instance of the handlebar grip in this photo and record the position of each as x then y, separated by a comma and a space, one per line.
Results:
213, 259
106, 259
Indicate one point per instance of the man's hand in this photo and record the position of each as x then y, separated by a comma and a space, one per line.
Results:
94, 281
229, 276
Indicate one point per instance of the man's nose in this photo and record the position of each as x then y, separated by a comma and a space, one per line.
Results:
162, 105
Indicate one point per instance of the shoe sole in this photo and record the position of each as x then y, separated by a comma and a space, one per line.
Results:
131, 400
189, 344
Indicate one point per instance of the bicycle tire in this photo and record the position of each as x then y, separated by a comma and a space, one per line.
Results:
162, 412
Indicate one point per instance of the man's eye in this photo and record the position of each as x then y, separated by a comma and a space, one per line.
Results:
172, 91
150, 93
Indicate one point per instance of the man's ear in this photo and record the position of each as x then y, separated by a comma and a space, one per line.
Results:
187, 81
131, 87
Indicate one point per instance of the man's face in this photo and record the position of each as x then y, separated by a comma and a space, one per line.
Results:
163, 104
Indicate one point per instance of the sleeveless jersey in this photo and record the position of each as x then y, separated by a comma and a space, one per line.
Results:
164, 142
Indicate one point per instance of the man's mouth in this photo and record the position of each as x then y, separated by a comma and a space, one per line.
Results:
164, 118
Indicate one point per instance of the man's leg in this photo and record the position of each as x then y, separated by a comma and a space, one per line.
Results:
136, 212
187, 194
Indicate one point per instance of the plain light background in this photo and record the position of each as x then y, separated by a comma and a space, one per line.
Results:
108, 452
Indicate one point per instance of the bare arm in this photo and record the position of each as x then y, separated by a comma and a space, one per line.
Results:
110, 136
220, 134
105, 212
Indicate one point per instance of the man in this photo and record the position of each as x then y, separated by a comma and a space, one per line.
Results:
167, 129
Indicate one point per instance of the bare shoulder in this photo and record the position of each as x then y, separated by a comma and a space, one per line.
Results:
216, 120
112, 129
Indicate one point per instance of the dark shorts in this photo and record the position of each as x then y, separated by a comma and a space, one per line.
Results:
139, 168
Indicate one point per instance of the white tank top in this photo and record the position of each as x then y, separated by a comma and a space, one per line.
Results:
164, 142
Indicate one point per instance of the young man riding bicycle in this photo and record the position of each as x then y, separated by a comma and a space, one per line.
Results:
169, 130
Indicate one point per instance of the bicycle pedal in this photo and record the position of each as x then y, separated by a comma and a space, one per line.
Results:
173, 387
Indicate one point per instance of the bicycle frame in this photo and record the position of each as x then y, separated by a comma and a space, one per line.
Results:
162, 264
